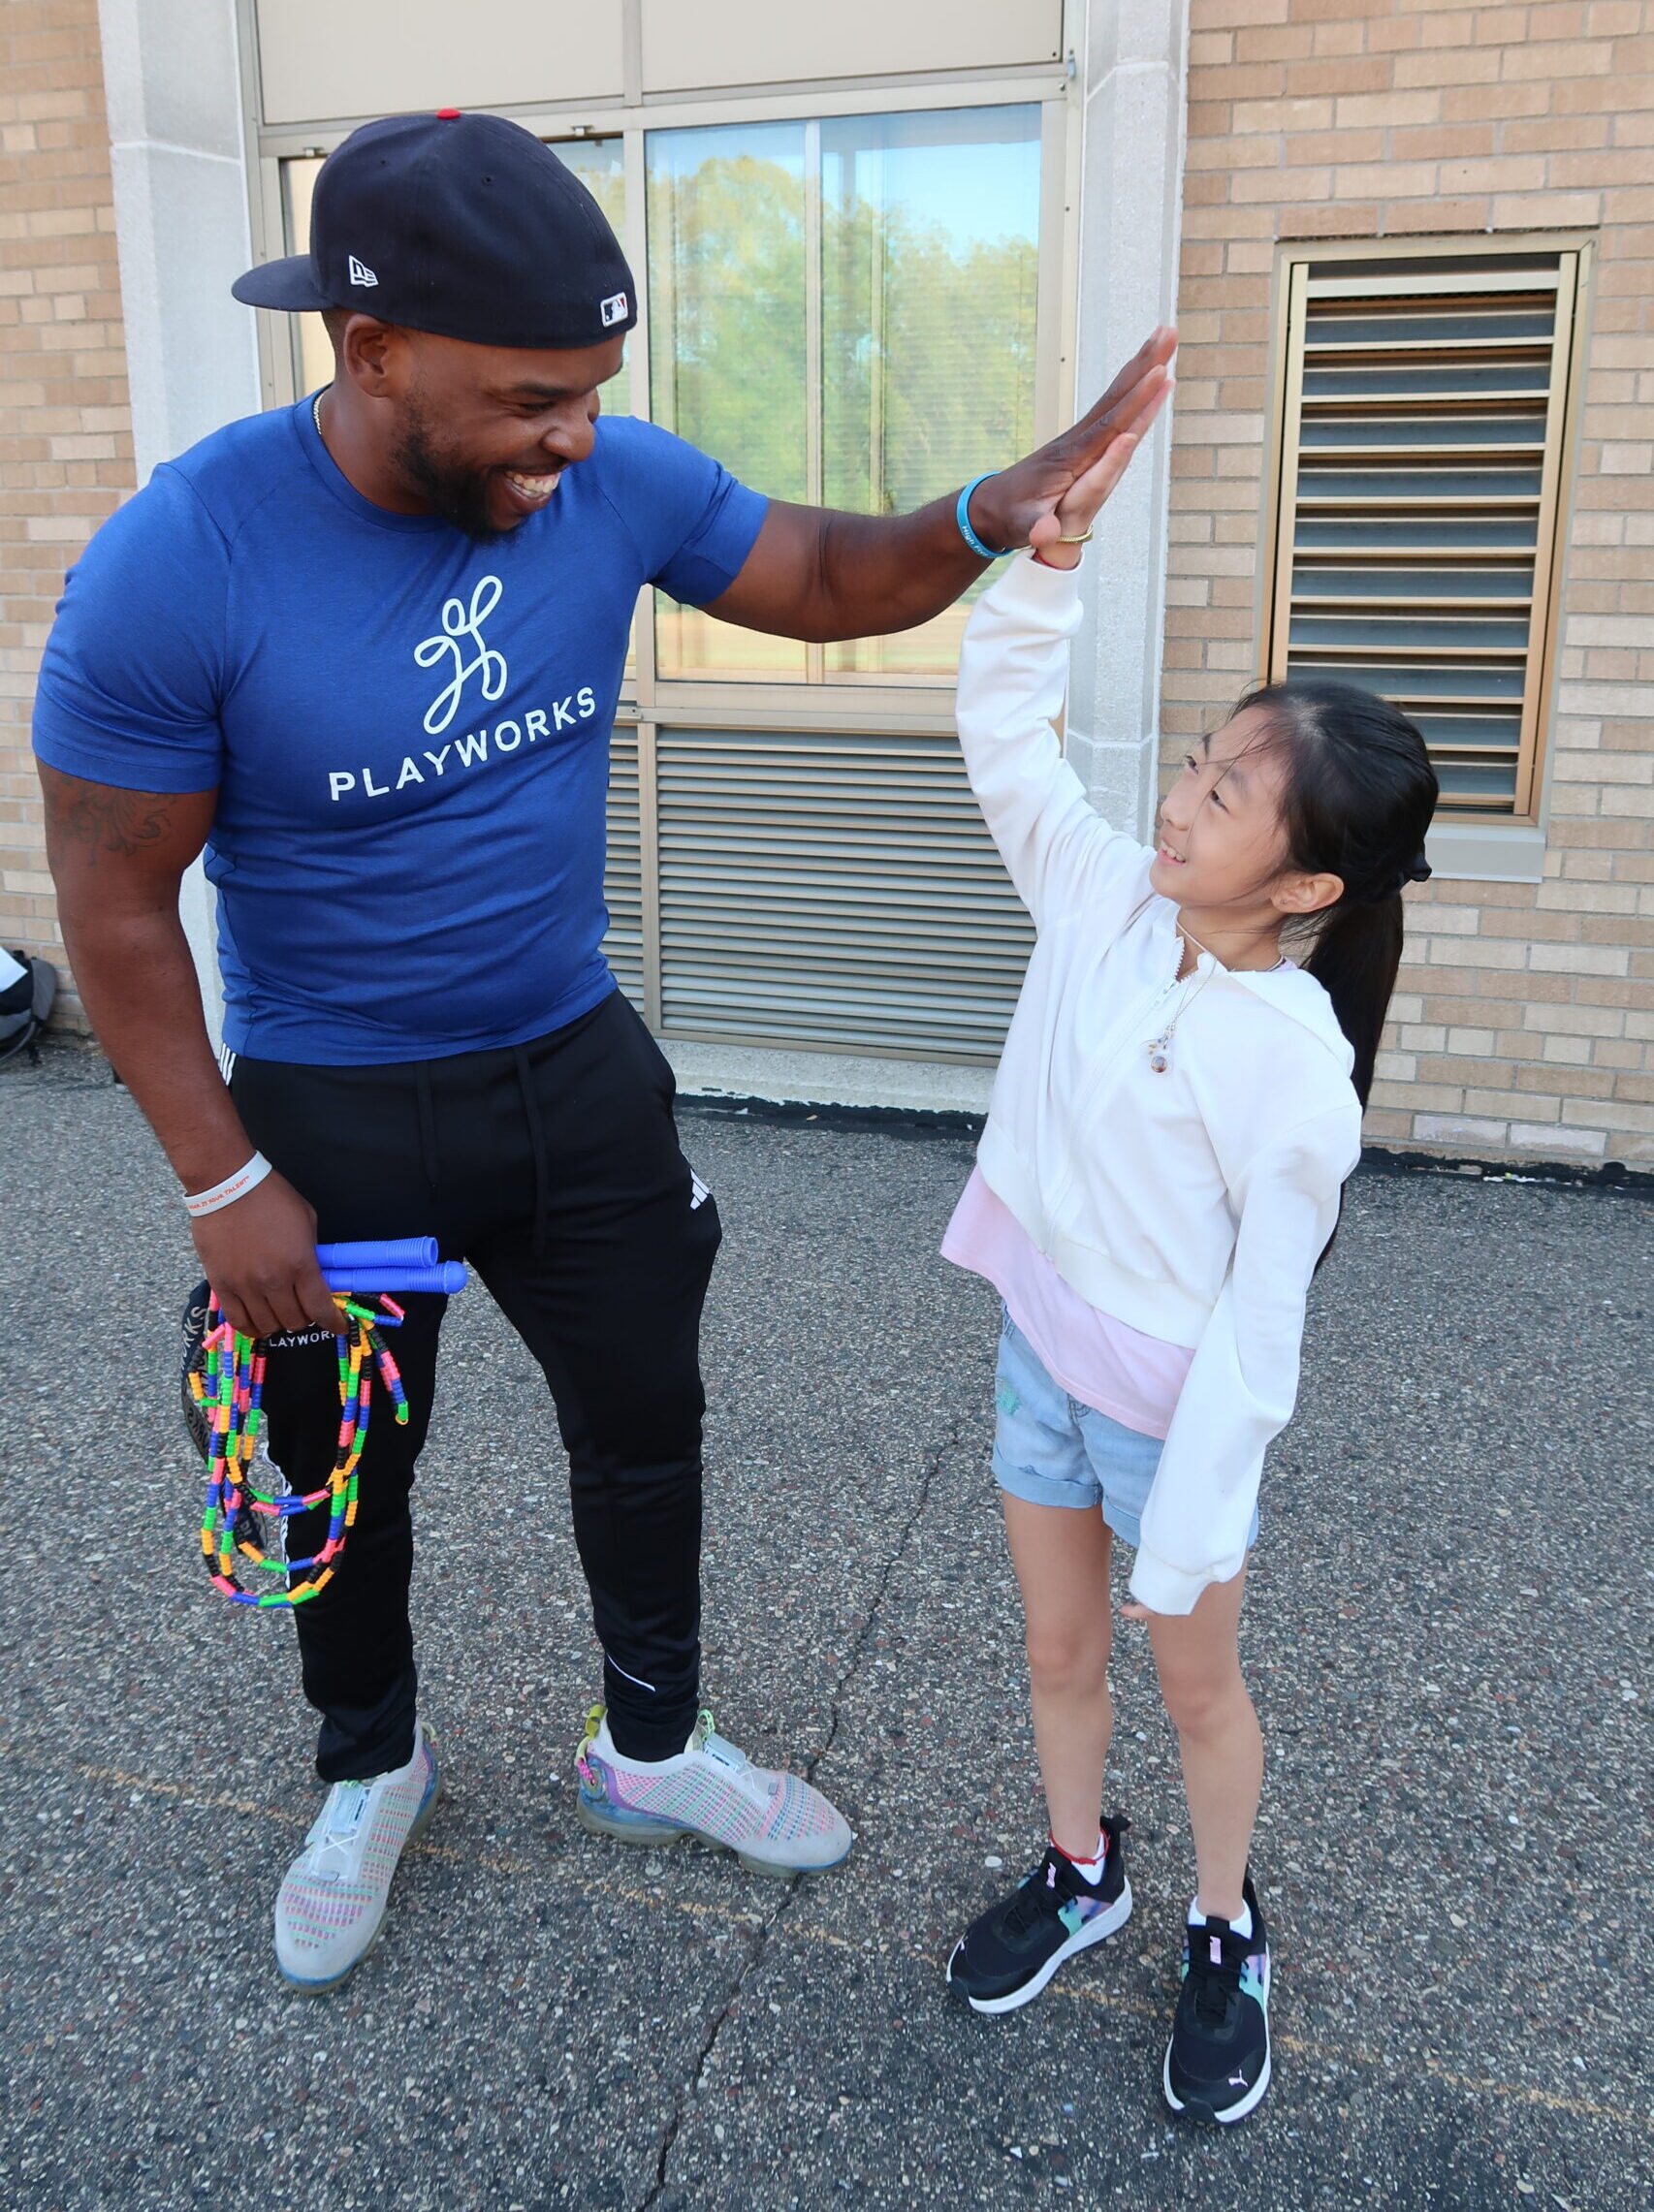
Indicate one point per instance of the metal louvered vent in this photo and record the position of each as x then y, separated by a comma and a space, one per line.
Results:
623, 875
1420, 485
829, 889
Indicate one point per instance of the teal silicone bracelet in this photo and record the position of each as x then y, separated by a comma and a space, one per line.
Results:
962, 516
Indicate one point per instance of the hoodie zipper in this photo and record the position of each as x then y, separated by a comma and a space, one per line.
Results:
1126, 1033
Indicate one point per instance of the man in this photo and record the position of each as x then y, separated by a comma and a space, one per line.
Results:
365, 653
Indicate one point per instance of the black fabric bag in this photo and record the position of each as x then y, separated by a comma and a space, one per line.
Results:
24, 1005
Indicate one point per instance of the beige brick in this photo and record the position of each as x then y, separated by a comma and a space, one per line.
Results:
1549, 1137
1386, 1127
1480, 952
1386, 111
1440, 216
1535, 1103
1608, 1114
1580, 960
1616, 19
1576, 1021
1442, 141
1629, 801
1568, 134
1385, 180
1394, 1066
1274, 115
1230, 15
1506, 174
1458, 920
1457, 1130
1551, 60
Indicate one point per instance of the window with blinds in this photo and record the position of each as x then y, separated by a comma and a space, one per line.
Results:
832, 889
1424, 401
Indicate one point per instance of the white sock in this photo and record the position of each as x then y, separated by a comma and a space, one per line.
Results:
604, 1746
1242, 1925
1092, 1869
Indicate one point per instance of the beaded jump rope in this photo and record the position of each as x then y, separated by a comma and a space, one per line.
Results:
229, 1390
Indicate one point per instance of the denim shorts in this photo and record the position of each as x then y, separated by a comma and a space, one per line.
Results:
1051, 1450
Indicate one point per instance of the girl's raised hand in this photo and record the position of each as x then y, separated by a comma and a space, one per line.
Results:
1084, 500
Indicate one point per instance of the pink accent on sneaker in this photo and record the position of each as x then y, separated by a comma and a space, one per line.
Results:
776, 1822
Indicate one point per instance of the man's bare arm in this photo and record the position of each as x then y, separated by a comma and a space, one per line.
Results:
118, 858
816, 575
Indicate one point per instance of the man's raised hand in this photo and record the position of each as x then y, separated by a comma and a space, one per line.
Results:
1030, 503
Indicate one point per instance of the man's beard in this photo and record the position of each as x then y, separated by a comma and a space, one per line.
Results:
460, 496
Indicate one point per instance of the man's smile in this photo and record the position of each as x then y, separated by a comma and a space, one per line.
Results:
529, 492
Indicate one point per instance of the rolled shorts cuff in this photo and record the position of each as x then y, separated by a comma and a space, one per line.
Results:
1051, 1450
1035, 1489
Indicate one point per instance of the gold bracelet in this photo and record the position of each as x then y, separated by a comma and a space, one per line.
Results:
1084, 539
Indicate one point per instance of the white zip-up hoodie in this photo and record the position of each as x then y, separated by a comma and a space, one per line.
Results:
1193, 1204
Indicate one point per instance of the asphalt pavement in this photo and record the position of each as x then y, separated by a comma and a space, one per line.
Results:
1447, 1634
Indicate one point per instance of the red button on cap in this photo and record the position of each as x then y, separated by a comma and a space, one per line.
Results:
447, 115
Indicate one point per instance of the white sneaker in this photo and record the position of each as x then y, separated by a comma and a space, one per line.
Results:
331, 1904
775, 1823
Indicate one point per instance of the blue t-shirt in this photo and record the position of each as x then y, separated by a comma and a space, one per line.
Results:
408, 730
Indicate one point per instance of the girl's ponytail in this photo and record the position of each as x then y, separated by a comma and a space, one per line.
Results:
1355, 958
1358, 796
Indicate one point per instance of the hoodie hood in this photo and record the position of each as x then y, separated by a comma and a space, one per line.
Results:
1289, 990
1293, 992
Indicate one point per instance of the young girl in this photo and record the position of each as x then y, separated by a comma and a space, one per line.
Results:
1178, 1106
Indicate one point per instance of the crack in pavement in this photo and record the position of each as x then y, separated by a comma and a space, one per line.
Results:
811, 1767
1351, 2057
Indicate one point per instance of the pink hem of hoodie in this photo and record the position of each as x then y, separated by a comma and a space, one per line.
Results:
1134, 1378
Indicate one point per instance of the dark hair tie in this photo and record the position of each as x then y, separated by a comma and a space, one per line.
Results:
1391, 887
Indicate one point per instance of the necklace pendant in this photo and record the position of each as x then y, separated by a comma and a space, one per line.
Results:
1159, 1058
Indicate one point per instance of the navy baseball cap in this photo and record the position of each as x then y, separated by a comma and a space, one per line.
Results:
464, 226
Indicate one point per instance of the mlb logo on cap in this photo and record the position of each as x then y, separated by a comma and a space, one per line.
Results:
613, 309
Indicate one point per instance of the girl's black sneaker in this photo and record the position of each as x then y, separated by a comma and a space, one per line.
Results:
1007, 1957
1217, 2063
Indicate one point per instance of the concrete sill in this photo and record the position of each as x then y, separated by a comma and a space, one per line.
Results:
1486, 852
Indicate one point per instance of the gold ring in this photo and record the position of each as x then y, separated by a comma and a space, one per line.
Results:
1084, 539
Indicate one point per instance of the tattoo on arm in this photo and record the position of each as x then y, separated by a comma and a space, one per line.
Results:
103, 822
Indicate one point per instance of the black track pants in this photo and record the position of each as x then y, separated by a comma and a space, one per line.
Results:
554, 1169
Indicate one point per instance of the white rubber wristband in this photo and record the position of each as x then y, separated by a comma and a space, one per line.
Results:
227, 1192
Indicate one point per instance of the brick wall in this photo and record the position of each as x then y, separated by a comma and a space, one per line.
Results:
1524, 1018
65, 432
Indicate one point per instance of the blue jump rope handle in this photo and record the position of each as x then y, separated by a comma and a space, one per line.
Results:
392, 1251
448, 1276
395, 1263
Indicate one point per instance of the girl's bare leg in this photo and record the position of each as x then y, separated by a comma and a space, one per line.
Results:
1061, 1557
1198, 1661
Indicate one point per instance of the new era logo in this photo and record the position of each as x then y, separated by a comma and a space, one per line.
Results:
613, 309
359, 272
